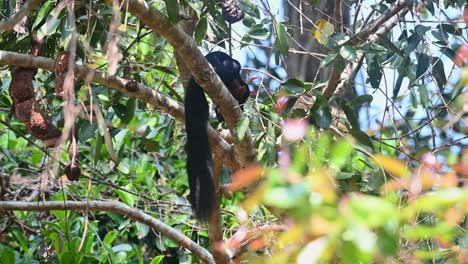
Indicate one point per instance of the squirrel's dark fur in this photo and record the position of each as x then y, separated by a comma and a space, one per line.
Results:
199, 157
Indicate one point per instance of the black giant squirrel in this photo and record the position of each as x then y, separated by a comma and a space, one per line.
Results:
199, 157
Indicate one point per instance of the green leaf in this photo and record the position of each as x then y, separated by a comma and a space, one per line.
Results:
431, 255
450, 29
450, 53
294, 85
396, 89
387, 43
362, 137
361, 99
201, 29
372, 211
424, 95
42, 13
122, 247
436, 200
374, 71
314, 3
387, 242
50, 27
248, 21
98, 149
157, 260
69, 257
344, 175
289, 106
172, 9
340, 152
110, 237
413, 97
127, 198
124, 167
143, 230
19, 238
323, 117
323, 146
423, 65
348, 53
241, 128
258, 32
66, 33
281, 40
329, 59
285, 197
7, 255
349, 112
125, 112
413, 42
250, 8
439, 73
423, 232
421, 30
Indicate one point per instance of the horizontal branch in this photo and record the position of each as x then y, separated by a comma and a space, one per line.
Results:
133, 89
116, 207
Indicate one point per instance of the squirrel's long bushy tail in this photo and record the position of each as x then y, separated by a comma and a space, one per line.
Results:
199, 159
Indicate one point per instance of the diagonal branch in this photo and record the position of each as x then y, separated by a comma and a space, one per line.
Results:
201, 70
380, 27
10, 23
135, 90
379, 23
116, 207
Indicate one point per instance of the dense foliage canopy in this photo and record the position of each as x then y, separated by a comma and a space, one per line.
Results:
92, 139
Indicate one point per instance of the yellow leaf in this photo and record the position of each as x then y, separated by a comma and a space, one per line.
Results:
254, 198
294, 235
393, 166
323, 31
464, 76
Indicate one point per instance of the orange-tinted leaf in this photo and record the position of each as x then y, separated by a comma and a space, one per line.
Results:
453, 216
461, 168
245, 177
465, 15
448, 180
319, 226
257, 244
461, 56
239, 237
394, 185
393, 166
281, 103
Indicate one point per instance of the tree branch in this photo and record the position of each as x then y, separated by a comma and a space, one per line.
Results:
116, 207
377, 24
133, 89
10, 23
372, 34
201, 70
